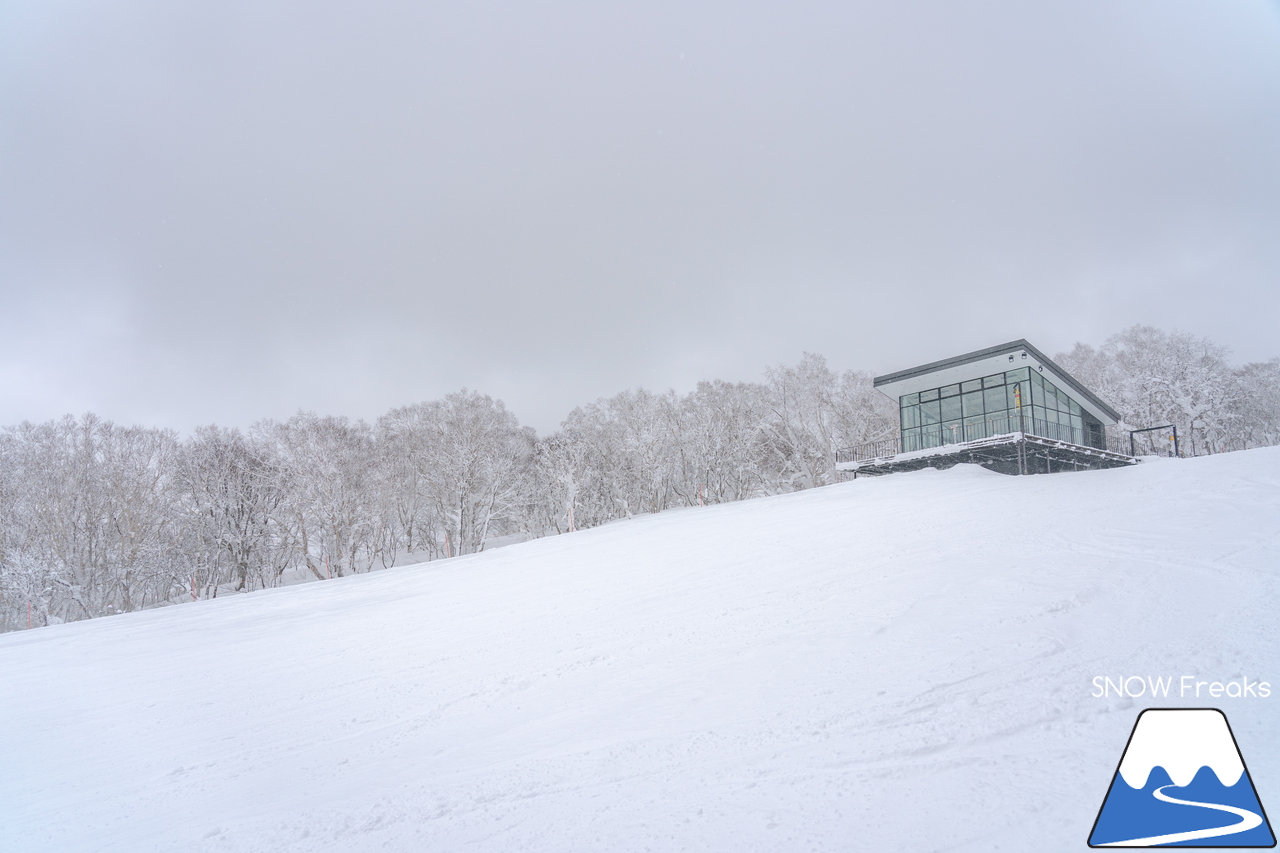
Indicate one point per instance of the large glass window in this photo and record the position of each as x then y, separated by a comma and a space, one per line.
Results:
993, 399
999, 423
1013, 395
994, 405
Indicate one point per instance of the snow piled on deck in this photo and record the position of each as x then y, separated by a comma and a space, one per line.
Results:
900, 663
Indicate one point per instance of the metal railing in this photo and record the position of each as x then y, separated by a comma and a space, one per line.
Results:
1168, 432
1003, 426
1057, 432
881, 449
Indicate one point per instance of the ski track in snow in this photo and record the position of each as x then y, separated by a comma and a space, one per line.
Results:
902, 663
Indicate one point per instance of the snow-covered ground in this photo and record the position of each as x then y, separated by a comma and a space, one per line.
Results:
903, 663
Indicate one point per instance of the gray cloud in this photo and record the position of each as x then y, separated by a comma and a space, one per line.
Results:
220, 212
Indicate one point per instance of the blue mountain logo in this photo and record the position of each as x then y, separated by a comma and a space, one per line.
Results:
1181, 783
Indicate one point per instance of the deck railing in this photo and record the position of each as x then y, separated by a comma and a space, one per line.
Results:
871, 450
1034, 426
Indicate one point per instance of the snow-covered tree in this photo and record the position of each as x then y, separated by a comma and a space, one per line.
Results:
460, 462
90, 511
815, 412
230, 494
324, 470
1153, 377
97, 518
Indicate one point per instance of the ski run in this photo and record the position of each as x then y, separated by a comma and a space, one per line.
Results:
902, 663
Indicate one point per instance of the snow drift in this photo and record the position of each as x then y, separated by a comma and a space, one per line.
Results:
894, 664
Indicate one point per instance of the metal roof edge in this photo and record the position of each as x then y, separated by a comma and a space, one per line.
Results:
954, 361
999, 349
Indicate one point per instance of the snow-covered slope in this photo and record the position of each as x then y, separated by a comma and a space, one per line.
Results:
903, 663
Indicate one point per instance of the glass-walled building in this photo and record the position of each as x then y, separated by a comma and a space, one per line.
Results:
1007, 389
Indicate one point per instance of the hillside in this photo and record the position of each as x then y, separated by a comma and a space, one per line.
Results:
903, 663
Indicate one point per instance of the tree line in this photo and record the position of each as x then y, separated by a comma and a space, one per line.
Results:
96, 518
1152, 378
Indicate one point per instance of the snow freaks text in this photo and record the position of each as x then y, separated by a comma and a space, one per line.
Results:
1182, 687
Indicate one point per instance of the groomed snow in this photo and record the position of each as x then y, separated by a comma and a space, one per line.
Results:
900, 663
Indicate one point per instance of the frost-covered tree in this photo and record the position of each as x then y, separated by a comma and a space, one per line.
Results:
91, 513
815, 412
230, 494
324, 470
1258, 399
460, 463
553, 487
1153, 377
644, 452
724, 445
623, 456
97, 518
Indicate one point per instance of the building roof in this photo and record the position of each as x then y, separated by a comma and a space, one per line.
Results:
949, 370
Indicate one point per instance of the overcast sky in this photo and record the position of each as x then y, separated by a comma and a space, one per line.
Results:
225, 211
